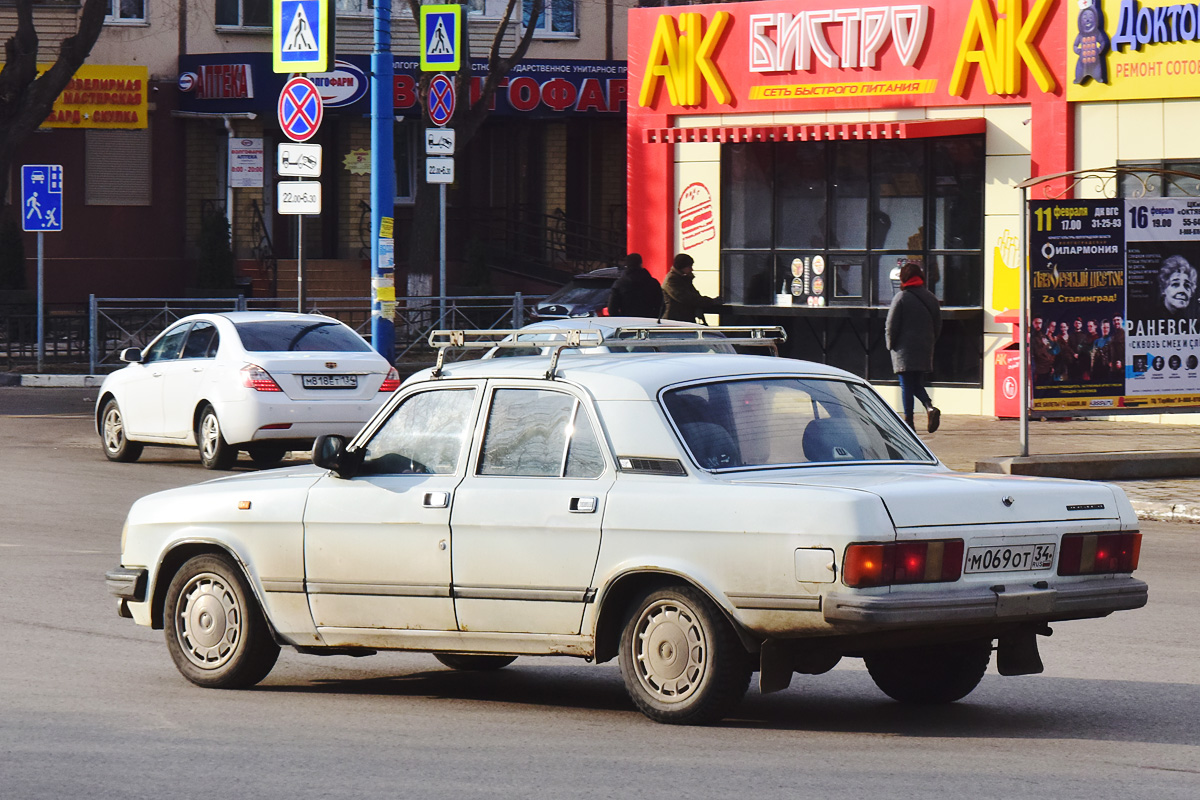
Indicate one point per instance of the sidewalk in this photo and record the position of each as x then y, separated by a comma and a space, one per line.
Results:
964, 441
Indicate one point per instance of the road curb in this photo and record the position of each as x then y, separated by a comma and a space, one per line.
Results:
1166, 512
62, 381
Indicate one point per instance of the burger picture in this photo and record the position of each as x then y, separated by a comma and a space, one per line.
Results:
696, 223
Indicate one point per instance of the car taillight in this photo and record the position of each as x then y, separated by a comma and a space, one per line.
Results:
889, 563
602, 312
392, 382
256, 378
1094, 553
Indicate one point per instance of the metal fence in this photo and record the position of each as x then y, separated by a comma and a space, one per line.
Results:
115, 323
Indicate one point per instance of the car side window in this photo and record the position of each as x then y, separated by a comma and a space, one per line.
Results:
168, 346
425, 435
202, 341
537, 433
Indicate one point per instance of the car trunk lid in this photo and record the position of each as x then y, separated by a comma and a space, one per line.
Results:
315, 376
932, 498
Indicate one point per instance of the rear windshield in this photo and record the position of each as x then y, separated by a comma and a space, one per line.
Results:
283, 336
776, 422
578, 293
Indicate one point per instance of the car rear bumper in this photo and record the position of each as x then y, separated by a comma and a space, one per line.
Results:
247, 422
999, 603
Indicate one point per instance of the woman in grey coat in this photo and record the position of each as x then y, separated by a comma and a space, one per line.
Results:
914, 322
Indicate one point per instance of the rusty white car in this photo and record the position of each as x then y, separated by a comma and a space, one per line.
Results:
697, 517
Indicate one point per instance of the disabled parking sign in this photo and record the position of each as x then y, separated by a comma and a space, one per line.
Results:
41, 198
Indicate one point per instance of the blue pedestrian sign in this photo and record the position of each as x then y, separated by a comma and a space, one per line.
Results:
441, 32
301, 40
41, 198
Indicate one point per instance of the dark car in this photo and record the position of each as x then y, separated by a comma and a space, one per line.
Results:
585, 296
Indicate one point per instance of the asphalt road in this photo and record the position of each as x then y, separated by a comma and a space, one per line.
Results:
91, 706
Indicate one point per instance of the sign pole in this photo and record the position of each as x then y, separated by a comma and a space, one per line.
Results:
383, 254
300, 263
1025, 330
442, 253
41, 303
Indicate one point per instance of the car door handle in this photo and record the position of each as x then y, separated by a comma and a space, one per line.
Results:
436, 500
197, 369
583, 505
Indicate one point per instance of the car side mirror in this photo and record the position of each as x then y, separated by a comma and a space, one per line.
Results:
329, 452
132, 355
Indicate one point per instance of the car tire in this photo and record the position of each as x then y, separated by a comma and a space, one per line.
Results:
117, 446
473, 663
267, 454
931, 674
216, 632
215, 452
681, 659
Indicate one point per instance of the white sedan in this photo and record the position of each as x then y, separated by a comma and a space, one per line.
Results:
264, 382
698, 517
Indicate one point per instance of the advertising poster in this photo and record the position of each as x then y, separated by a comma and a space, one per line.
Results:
1161, 262
1114, 317
246, 163
1077, 304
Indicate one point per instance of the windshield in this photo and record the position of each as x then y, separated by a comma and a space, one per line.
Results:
775, 422
285, 335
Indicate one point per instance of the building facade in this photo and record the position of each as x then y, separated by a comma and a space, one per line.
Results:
803, 152
548, 160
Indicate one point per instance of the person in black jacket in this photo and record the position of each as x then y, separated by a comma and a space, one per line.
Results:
914, 323
636, 293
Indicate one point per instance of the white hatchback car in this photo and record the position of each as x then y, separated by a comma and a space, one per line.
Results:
697, 517
263, 382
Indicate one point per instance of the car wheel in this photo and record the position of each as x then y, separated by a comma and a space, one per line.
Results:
216, 632
932, 674
266, 454
215, 452
112, 435
462, 661
681, 660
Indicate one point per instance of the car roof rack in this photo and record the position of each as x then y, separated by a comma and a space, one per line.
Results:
575, 338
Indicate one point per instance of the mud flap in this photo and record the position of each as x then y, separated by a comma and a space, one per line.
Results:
1017, 654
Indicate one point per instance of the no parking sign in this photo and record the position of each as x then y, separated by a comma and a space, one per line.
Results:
300, 109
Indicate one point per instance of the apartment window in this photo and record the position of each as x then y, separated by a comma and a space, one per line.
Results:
125, 11
117, 170
1153, 184
557, 19
349, 8
244, 13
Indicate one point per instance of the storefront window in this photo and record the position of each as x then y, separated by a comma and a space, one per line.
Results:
1152, 184
822, 229
864, 208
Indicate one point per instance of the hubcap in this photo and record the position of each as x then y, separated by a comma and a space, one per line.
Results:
114, 430
210, 435
208, 621
670, 651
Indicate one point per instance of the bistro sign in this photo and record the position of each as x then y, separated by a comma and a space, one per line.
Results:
766, 56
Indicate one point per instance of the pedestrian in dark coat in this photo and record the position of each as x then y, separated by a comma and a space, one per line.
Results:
681, 300
636, 293
914, 322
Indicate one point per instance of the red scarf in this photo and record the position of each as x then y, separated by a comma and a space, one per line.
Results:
915, 280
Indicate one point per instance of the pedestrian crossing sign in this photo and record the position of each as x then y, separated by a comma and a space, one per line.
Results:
302, 35
441, 31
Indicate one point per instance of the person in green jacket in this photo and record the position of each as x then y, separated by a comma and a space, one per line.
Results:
681, 300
